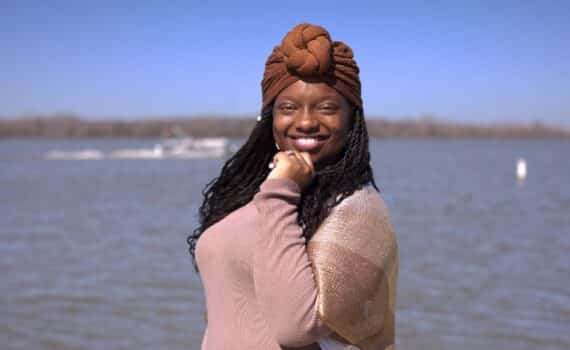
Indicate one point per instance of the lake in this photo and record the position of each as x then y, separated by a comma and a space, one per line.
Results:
93, 253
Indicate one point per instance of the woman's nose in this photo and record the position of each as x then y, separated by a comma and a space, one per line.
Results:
307, 122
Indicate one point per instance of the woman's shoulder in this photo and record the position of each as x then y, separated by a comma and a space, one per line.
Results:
365, 203
363, 219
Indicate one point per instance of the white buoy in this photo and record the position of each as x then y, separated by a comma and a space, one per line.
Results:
521, 169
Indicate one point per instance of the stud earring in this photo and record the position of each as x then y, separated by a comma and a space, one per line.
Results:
259, 118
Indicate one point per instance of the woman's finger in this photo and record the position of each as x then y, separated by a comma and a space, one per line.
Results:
278, 156
307, 163
284, 157
300, 160
306, 157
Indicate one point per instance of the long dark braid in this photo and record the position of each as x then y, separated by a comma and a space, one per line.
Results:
244, 172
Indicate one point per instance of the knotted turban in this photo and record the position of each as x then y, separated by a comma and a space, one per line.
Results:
308, 53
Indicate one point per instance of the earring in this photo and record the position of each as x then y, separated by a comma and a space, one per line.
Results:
277, 146
259, 118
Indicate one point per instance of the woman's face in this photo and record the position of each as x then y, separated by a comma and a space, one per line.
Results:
312, 117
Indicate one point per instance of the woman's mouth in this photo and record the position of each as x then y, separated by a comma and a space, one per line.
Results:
307, 144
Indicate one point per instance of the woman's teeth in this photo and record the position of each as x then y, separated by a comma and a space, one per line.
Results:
307, 144
307, 141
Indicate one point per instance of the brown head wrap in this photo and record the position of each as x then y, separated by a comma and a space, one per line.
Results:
307, 52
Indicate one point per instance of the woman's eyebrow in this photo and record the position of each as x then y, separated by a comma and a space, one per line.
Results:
329, 97
286, 97
318, 100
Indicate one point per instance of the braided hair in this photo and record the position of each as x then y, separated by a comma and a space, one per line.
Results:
243, 173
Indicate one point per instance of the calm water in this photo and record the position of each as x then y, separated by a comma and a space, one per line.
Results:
93, 253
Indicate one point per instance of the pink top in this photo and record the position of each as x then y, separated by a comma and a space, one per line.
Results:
259, 284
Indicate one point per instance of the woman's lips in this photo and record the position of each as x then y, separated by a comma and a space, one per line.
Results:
307, 144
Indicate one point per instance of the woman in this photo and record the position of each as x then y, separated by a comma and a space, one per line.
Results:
295, 247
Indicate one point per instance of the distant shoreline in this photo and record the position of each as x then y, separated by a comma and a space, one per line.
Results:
71, 127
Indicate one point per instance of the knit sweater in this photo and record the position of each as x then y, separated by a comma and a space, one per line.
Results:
259, 283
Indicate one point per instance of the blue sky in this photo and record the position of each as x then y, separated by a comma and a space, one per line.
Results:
459, 60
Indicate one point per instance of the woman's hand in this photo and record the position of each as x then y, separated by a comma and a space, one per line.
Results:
293, 165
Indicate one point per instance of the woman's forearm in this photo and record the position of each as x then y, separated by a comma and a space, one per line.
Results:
283, 277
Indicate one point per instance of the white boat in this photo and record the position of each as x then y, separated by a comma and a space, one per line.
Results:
179, 148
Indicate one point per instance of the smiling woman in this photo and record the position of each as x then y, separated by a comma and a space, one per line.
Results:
312, 117
295, 246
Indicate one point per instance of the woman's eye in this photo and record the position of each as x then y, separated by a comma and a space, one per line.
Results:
329, 108
287, 108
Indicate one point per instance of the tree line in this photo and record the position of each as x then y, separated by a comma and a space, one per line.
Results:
239, 127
